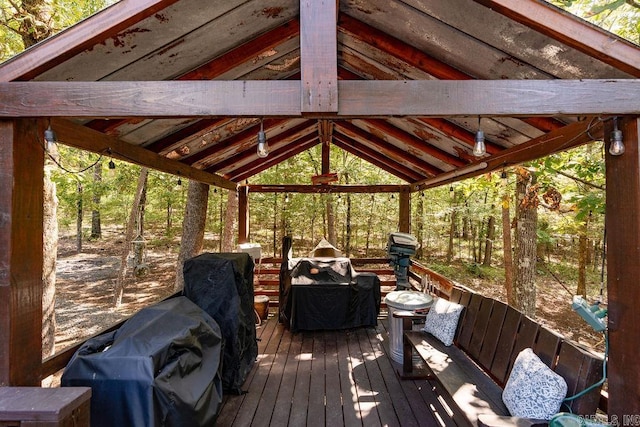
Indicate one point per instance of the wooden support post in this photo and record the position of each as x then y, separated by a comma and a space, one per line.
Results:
21, 215
623, 271
243, 214
404, 221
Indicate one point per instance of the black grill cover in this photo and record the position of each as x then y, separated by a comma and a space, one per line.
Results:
222, 285
160, 368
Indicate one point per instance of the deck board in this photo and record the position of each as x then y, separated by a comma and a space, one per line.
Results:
330, 378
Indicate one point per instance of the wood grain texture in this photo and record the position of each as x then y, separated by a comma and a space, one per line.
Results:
564, 138
84, 138
574, 32
357, 98
623, 240
488, 97
21, 260
81, 36
150, 99
318, 56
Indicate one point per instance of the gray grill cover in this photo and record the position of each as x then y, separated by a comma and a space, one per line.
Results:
222, 285
160, 368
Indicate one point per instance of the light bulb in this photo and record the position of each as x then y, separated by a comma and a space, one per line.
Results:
479, 149
617, 146
263, 147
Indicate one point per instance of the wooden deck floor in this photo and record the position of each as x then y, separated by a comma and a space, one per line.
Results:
330, 378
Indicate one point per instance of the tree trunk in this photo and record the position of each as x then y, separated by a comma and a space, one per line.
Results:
488, 244
331, 221
419, 222
50, 248
126, 250
526, 242
583, 242
347, 246
274, 225
193, 225
33, 18
507, 248
96, 226
79, 214
230, 221
369, 226
452, 230
169, 217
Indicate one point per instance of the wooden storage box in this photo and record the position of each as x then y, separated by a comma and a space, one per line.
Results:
45, 407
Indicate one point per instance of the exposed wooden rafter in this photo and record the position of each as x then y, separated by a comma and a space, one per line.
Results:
375, 157
576, 33
79, 136
386, 148
570, 136
81, 36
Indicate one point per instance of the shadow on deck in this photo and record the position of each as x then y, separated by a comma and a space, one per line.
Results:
330, 378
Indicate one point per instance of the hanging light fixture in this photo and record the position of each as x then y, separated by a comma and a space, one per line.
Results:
451, 192
503, 178
49, 137
617, 146
50, 145
112, 165
479, 148
263, 147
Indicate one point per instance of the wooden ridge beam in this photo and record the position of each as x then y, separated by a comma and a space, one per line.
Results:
81, 36
570, 136
572, 31
258, 98
326, 188
78, 136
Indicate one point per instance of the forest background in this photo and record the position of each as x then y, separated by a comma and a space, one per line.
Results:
104, 208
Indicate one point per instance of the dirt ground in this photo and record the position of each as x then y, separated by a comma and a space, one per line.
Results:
85, 287
85, 282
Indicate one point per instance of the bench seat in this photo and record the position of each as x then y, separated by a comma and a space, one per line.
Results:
472, 372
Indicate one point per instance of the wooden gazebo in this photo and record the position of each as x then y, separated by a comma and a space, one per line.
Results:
184, 88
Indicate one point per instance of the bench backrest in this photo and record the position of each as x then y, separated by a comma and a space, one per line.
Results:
493, 334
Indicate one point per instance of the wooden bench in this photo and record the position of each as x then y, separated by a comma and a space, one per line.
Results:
472, 373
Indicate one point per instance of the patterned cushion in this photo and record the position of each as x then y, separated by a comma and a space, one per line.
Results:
442, 320
533, 389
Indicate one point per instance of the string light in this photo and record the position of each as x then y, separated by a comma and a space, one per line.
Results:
263, 146
479, 148
617, 146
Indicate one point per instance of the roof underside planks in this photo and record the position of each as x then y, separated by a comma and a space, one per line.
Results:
401, 84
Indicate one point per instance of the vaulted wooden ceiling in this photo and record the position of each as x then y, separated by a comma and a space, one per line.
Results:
418, 41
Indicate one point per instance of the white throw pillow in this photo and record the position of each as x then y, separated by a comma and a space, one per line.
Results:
533, 389
442, 320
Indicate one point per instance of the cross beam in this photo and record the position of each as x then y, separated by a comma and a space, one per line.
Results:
172, 99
